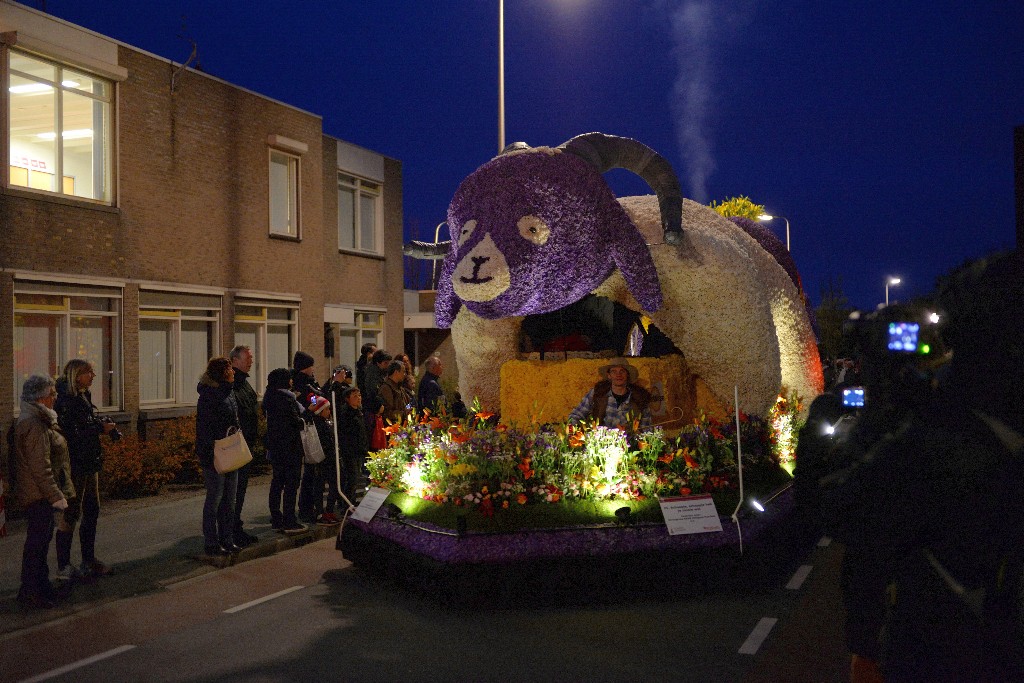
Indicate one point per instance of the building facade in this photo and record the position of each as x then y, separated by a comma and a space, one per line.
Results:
153, 216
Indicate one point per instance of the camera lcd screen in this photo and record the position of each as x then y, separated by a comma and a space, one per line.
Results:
853, 397
903, 337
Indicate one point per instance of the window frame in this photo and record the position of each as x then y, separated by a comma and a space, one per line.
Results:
294, 171
182, 391
64, 314
60, 90
358, 329
361, 186
260, 369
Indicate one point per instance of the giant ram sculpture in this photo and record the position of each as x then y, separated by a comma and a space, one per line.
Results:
535, 230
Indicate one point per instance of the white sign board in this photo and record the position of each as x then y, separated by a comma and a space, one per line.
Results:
370, 503
690, 514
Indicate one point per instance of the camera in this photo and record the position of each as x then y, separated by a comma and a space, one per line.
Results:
115, 433
853, 397
902, 336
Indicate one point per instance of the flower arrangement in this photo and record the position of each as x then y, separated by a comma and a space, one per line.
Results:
482, 465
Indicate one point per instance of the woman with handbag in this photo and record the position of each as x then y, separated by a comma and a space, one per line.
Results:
216, 415
285, 425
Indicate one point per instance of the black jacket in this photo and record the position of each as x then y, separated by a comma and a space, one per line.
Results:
284, 427
216, 413
430, 394
77, 418
248, 407
352, 440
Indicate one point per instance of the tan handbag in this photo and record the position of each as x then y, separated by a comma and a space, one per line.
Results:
231, 452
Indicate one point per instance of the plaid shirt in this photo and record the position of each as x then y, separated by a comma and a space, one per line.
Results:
615, 415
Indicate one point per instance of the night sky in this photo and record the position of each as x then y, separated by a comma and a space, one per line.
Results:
883, 130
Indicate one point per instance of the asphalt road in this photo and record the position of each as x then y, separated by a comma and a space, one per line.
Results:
307, 615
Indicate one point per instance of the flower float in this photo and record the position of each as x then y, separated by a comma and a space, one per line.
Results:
537, 231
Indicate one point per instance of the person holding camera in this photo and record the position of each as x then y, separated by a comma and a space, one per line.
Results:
82, 427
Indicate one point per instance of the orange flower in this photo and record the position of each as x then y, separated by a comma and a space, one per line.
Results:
391, 429
501, 428
575, 437
461, 438
435, 423
690, 462
504, 504
521, 499
484, 415
643, 445
667, 458
555, 496
684, 491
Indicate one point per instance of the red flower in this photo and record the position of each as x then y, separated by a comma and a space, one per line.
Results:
684, 491
521, 499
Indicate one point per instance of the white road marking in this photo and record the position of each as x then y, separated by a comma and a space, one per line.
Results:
824, 542
239, 608
799, 577
80, 663
757, 636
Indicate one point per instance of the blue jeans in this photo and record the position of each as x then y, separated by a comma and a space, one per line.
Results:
35, 573
219, 508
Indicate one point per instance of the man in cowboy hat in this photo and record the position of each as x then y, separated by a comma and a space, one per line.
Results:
616, 400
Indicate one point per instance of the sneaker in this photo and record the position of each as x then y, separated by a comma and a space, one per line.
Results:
68, 573
96, 569
295, 528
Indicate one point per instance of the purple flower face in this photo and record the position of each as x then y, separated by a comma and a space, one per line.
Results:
534, 232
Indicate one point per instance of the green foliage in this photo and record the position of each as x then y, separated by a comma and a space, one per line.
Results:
738, 206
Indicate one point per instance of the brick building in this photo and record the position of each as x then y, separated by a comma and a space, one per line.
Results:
152, 216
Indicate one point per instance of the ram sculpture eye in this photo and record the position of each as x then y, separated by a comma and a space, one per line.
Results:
467, 229
533, 229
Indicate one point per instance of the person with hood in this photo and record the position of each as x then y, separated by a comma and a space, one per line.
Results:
317, 405
284, 449
82, 427
216, 413
41, 478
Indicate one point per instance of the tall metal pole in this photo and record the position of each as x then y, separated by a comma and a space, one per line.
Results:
787, 232
501, 75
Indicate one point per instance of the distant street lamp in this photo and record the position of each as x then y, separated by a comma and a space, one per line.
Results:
890, 282
766, 217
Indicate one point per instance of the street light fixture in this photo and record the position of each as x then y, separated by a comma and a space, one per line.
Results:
767, 217
890, 282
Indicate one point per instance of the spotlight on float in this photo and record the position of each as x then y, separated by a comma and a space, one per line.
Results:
934, 318
830, 429
756, 505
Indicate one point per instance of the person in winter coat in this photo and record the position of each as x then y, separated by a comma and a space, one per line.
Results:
352, 440
216, 413
396, 401
41, 479
82, 428
284, 449
248, 417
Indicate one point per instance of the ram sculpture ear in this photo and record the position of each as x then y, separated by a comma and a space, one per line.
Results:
447, 304
632, 257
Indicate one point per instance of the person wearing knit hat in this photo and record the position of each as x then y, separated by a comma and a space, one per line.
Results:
302, 361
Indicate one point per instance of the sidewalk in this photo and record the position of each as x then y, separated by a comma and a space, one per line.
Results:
149, 543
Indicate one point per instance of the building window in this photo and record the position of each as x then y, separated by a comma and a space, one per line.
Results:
368, 327
284, 194
359, 214
60, 129
271, 330
53, 324
177, 336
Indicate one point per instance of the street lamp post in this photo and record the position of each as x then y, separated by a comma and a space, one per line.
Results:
890, 282
501, 75
768, 217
